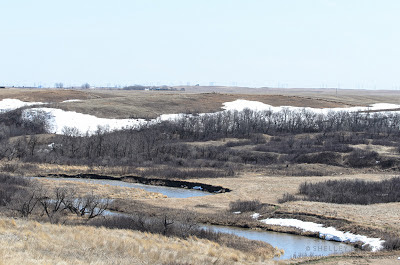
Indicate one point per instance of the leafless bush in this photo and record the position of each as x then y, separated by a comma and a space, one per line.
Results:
10, 185
287, 197
362, 158
392, 243
11, 168
24, 201
245, 206
328, 158
352, 191
89, 206
170, 172
163, 224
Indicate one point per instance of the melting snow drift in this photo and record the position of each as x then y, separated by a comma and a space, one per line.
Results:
59, 119
328, 233
9, 104
241, 104
71, 100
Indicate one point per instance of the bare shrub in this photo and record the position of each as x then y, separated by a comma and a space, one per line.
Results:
24, 201
170, 173
245, 206
362, 158
237, 143
287, 197
163, 224
11, 168
89, 206
352, 191
10, 185
328, 158
392, 243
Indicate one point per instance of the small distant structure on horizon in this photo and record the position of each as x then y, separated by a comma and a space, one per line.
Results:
147, 88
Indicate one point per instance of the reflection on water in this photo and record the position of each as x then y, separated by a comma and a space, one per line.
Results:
168, 191
295, 246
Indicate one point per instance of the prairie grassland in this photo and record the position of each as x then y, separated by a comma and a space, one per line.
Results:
30, 242
103, 191
344, 96
368, 259
33, 169
262, 185
151, 104
45, 95
268, 189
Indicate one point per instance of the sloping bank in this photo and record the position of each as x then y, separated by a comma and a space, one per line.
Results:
147, 181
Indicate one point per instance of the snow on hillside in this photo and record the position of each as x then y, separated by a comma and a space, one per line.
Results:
9, 104
71, 100
241, 104
328, 233
58, 119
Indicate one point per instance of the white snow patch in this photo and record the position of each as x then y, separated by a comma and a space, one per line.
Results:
241, 104
84, 123
59, 119
238, 212
255, 215
9, 104
71, 100
197, 188
328, 233
171, 117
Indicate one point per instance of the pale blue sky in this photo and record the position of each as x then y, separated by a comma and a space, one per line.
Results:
293, 43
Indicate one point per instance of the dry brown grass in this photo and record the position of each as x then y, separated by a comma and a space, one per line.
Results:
30, 242
268, 189
262, 185
344, 96
45, 95
34, 169
387, 151
103, 191
366, 259
151, 104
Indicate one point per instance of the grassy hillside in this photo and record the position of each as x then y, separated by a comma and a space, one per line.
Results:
30, 242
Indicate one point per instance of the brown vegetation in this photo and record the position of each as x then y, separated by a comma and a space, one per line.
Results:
30, 242
258, 161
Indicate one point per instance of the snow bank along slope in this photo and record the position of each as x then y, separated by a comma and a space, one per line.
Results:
241, 104
328, 233
9, 104
84, 123
58, 120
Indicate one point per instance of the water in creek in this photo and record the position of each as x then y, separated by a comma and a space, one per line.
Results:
295, 246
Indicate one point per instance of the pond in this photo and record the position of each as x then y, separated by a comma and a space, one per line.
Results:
168, 191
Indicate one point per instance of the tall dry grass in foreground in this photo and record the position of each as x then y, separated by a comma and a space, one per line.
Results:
30, 242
